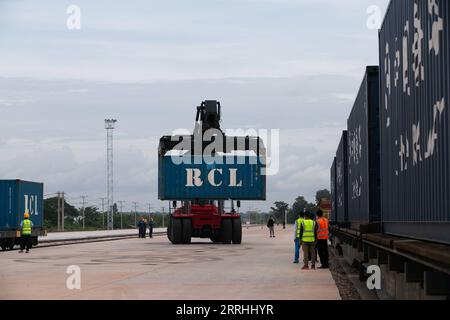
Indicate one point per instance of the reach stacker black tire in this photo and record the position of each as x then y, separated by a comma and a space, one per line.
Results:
169, 229
186, 231
227, 231
216, 238
177, 229
237, 231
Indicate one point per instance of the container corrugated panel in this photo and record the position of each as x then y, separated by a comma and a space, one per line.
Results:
415, 119
342, 180
333, 190
364, 152
218, 178
18, 197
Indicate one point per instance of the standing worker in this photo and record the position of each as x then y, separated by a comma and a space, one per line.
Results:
26, 226
322, 239
308, 236
297, 242
140, 226
150, 227
271, 226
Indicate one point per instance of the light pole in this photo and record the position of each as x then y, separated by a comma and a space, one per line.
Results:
149, 211
110, 126
135, 213
103, 211
84, 208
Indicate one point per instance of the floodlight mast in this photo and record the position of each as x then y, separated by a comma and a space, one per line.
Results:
110, 126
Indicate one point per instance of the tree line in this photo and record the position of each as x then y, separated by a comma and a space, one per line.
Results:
281, 208
94, 219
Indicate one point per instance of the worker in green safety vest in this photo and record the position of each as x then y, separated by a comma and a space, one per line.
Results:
26, 227
297, 242
308, 236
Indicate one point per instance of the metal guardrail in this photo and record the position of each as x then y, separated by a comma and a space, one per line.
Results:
60, 242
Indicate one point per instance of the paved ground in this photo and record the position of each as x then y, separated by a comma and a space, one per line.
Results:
261, 268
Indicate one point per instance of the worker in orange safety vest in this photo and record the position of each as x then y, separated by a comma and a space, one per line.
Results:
322, 239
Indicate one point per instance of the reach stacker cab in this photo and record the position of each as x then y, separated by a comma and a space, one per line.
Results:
202, 172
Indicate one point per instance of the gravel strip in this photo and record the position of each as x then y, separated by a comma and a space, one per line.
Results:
346, 288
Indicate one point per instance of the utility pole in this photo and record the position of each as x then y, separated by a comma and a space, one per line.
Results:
163, 213
135, 213
83, 208
285, 217
63, 204
110, 126
59, 211
149, 211
103, 211
121, 213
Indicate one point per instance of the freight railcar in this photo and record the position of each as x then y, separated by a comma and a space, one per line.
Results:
411, 242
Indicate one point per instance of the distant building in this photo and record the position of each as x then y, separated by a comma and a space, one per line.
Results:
325, 206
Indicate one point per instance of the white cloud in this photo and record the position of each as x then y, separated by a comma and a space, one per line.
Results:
293, 65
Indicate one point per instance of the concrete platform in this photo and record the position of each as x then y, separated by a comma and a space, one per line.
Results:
261, 268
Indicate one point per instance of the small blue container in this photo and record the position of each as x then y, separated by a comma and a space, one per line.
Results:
18, 197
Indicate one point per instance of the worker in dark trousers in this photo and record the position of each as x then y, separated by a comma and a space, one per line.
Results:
141, 227
322, 239
150, 227
26, 229
308, 236
297, 242
271, 226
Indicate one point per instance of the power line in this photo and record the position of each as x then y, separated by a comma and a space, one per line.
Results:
51, 194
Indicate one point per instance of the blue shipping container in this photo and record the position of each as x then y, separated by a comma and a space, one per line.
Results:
342, 180
218, 178
364, 153
18, 197
333, 190
415, 119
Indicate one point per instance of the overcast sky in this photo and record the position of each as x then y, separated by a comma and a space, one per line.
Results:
292, 65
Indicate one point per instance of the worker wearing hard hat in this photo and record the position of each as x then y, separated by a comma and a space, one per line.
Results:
26, 227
